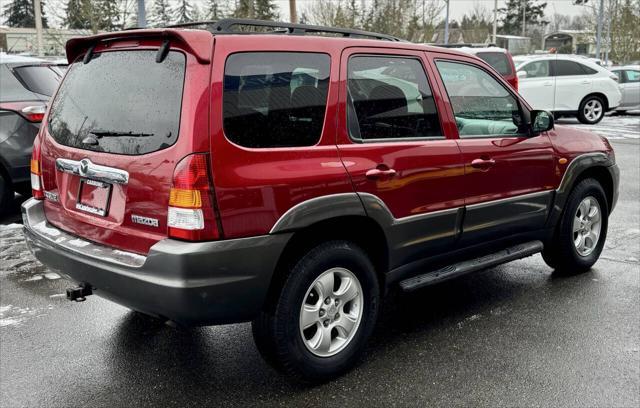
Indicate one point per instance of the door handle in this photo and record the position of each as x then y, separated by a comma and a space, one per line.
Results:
586, 82
547, 83
483, 164
380, 172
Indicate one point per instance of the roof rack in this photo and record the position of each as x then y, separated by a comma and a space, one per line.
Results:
248, 26
468, 45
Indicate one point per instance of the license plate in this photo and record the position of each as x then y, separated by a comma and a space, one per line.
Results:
94, 197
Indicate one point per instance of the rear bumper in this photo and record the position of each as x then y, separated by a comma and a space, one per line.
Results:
190, 283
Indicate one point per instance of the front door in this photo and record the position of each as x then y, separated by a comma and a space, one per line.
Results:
538, 87
508, 175
392, 143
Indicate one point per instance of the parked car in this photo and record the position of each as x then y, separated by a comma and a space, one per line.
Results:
293, 180
26, 83
569, 86
630, 86
499, 58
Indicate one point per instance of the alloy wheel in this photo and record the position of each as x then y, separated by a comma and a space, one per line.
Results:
587, 224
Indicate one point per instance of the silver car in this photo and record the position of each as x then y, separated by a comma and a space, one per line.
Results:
629, 86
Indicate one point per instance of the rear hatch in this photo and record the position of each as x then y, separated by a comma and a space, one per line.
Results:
120, 122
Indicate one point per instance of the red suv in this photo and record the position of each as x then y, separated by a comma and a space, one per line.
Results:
217, 175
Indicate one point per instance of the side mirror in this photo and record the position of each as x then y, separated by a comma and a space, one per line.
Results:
541, 121
521, 74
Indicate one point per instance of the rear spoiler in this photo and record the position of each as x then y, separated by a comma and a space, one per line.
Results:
197, 42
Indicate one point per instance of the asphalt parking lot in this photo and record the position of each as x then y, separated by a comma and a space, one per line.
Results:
515, 335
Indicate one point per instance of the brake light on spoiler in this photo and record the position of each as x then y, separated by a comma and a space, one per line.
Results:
191, 215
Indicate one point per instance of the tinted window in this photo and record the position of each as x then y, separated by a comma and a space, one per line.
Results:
275, 99
588, 70
125, 100
567, 68
390, 98
498, 60
536, 69
10, 87
481, 105
39, 79
632, 76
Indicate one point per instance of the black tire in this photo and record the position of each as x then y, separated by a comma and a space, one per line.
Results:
6, 194
561, 253
582, 117
276, 330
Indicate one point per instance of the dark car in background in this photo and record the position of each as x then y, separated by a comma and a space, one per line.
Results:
27, 84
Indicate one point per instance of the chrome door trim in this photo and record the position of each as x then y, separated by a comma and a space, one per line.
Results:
508, 199
85, 168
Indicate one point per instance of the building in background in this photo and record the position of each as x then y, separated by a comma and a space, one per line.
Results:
515, 44
24, 41
581, 42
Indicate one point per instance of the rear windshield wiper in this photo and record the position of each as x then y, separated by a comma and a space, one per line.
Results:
109, 133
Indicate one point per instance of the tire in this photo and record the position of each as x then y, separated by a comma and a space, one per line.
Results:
6, 194
591, 110
277, 330
563, 252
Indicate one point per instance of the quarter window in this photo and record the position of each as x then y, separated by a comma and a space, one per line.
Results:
390, 98
481, 105
275, 99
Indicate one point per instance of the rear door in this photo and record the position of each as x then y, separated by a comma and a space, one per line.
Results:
572, 84
117, 126
509, 176
392, 141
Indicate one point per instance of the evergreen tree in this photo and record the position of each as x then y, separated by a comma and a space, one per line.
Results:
20, 13
109, 15
512, 15
244, 9
161, 14
213, 10
183, 13
266, 10
77, 12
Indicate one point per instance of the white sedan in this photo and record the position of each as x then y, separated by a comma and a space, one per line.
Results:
630, 86
569, 86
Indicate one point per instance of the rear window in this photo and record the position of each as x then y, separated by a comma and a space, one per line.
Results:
40, 79
499, 61
121, 102
275, 99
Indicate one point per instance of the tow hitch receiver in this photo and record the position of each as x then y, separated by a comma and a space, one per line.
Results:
79, 293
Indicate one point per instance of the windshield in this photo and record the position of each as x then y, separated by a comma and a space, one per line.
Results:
121, 102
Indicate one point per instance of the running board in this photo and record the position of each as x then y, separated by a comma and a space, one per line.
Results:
472, 265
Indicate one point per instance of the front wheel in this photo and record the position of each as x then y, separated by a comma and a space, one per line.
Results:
318, 326
591, 110
581, 233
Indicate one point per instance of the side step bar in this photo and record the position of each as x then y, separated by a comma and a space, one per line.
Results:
472, 265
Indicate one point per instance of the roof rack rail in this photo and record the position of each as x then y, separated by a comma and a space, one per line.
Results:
468, 45
231, 25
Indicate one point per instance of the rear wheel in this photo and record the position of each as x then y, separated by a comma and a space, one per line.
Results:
591, 110
580, 236
317, 327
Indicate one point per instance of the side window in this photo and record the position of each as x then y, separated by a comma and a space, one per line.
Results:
536, 69
481, 105
621, 76
568, 68
633, 76
275, 99
390, 98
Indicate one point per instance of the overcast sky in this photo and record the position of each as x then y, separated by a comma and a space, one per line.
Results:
459, 7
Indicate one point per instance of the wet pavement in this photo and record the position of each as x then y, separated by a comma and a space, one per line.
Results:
515, 335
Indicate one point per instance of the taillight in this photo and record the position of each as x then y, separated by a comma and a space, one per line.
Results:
31, 111
515, 83
34, 113
192, 216
36, 171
